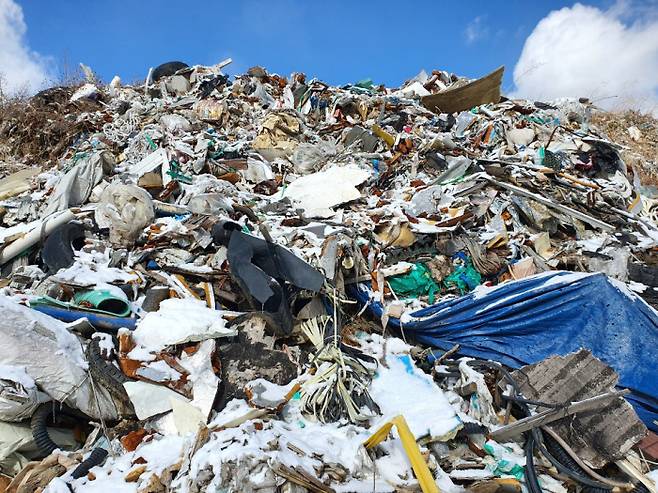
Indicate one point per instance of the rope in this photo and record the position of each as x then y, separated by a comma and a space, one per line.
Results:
100, 415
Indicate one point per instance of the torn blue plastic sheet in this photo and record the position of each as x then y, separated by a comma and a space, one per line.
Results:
554, 313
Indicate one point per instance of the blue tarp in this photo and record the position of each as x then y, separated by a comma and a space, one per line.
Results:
554, 313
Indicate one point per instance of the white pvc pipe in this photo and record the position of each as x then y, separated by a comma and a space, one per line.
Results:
44, 228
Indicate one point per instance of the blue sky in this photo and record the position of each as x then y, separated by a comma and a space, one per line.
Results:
339, 41
606, 50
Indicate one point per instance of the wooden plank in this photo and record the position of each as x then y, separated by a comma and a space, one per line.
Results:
481, 91
633, 472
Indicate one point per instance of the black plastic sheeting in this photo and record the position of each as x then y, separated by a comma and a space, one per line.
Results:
263, 268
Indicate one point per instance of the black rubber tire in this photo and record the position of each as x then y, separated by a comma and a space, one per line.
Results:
57, 251
474, 429
566, 460
640, 488
38, 424
107, 370
107, 375
166, 69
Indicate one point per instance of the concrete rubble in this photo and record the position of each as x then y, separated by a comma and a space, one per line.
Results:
264, 283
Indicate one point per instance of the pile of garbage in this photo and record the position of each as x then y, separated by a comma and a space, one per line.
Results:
267, 283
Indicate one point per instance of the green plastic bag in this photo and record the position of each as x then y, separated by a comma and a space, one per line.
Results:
417, 282
464, 277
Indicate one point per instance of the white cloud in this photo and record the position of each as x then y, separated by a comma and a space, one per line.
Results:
582, 51
20, 67
476, 30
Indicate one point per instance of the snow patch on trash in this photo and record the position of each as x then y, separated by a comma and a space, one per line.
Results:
404, 389
178, 321
92, 268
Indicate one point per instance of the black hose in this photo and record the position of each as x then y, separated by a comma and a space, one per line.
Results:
532, 402
530, 472
566, 465
38, 424
96, 457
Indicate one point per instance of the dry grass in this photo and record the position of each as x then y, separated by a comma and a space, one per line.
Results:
643, 154
39, 129
36, 130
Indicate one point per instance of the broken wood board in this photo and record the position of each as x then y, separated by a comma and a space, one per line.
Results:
481, 91
598, 436
300, 477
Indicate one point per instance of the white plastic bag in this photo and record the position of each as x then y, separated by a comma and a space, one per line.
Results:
175, 123
74, 187
126, 210
310, 157
19, 396
209, 203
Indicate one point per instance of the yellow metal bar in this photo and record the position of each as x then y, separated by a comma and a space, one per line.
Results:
422, 472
